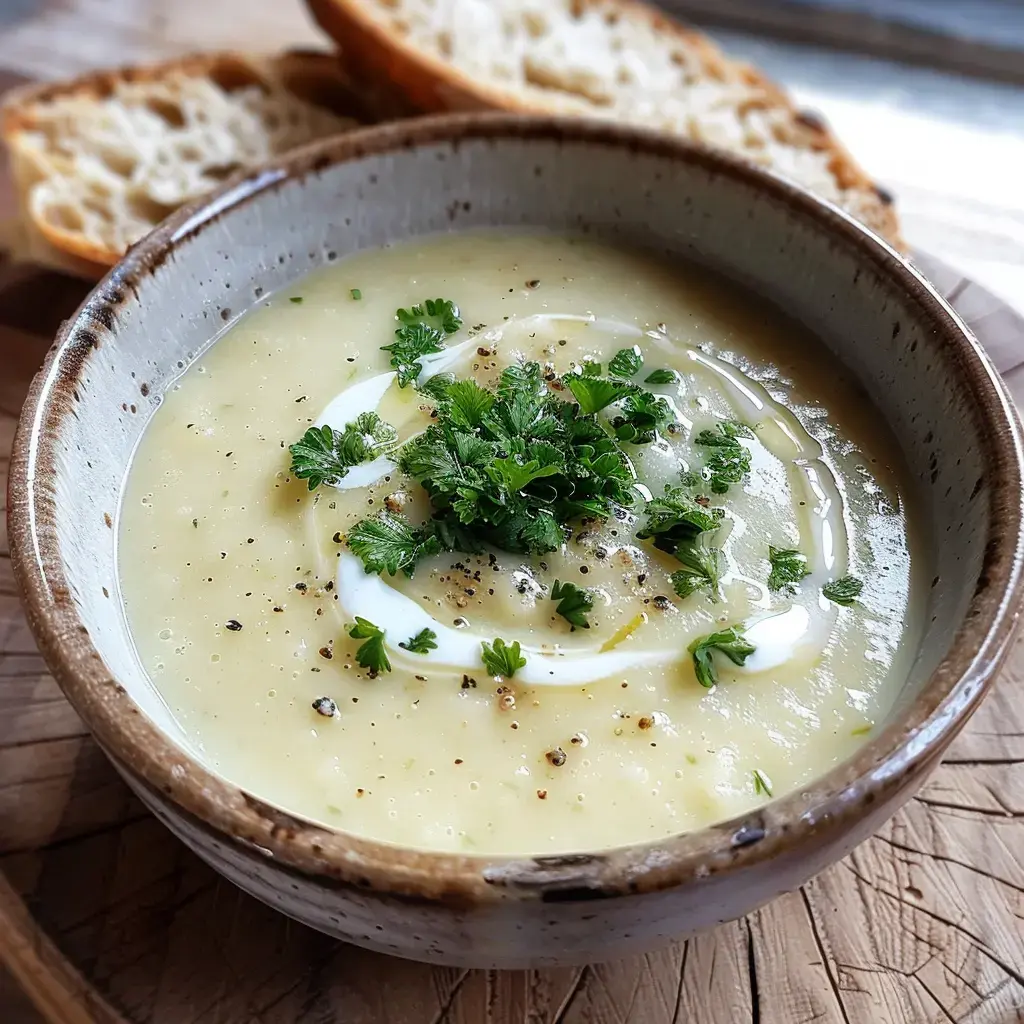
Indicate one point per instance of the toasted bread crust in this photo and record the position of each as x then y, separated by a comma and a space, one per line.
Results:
314, 77
402, 78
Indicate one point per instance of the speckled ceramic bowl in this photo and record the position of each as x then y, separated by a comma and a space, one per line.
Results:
165, 303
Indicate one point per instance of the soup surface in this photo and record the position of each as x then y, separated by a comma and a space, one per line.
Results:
645, 595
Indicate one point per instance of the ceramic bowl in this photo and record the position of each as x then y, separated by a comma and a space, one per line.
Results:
169, 298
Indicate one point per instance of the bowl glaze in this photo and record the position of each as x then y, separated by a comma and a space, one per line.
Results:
168, 300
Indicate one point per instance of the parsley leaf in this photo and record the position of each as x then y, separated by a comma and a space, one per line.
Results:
675, 519
789, 567
626, 362
661, 377
643, 414
422, 332
422, 643
843, 591
573, 603
596, 393
371, 654
388, 543
728, 461
762, 784
702, 567
729, 641
501, 659
324, 455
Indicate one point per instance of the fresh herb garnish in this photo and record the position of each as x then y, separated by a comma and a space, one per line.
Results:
422, 333
596, 393
355, 293
371, 654
762, 784
325, 455
510, 468
297, 299
843, 591
573, 603
501, 659
387, 543
626, 362
643, 415
675, 519
661, 377
789, 567
729, 641
702, 567
728, 461
422, 643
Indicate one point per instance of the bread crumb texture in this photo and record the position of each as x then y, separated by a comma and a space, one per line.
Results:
98, 169
622, 61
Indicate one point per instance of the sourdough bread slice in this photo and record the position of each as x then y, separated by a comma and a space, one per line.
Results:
615, 59
99, 161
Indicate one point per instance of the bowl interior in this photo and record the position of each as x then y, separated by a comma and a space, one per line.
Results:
174, 295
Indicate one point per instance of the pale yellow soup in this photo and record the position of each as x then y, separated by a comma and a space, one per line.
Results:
239, 588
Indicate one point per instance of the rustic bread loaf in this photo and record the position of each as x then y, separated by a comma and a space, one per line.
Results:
101, 160
616, 59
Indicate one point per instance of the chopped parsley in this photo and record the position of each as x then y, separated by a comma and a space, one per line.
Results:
643, 415
387, 543
728, 461
422, 332
596, 393
626, 362
371, 655
762, 784
422, 643
675, 519
296, 299
789, 567
702, 567
325, 455
501, 659
661, 377
729, 641
355, 293
843, 591
508, 468
573, 603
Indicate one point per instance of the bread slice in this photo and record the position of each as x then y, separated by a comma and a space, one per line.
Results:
615, 59
99, 161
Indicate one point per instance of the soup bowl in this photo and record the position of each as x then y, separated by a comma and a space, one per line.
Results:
171, 296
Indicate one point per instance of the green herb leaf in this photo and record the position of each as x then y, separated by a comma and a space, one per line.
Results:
573, 604
789, 567
422, 643
595, 393
387, 543
296, 299
729, 641
762, 784
728, 461
662, 377
501, 659
325, 455
626, 362
422, 333
702, 567
843, 591
675, 519
643, 414
371, 654
355, 293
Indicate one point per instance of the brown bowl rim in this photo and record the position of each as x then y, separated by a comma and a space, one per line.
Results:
832, 804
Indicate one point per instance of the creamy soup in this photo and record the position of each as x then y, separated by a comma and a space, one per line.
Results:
626, 555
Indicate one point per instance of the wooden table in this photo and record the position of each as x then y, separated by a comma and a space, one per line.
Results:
105, 917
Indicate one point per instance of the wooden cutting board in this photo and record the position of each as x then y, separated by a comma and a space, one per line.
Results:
105, 917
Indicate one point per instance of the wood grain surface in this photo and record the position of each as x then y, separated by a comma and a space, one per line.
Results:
104, 917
